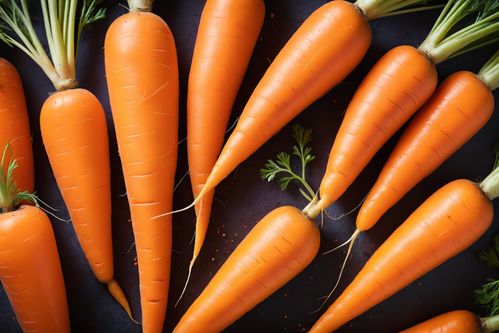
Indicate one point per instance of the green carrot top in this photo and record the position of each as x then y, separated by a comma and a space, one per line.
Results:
490, 185
140, 5
446, 41
489, 73
64, 21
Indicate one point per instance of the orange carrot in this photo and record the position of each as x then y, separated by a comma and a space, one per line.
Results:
15, 125
142, 77
310, 64
227, 34
30, 270
280, 246
397, 86
74, 130
447, 223
459, 321
459, 108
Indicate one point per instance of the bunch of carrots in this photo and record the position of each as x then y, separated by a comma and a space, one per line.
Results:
141, 69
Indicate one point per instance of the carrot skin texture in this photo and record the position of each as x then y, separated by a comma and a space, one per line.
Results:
74, 132
30, 271
279, 247
459, 321
447, 223
142, 76
15, 129
393, 90
459, 108
227, 34
309, 65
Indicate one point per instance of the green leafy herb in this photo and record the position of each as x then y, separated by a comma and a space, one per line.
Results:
281, 166
488, 297
490, 256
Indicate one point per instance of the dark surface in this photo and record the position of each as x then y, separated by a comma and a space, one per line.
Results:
243, 198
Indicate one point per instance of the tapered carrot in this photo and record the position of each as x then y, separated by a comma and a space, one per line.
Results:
459, 321
30, 270
396, 87
227, 34
15, 125
459, 108
142, 77
310, 64
280, 246
446, 224
73, 126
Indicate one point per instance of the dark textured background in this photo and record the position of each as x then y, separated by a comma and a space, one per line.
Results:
243, 198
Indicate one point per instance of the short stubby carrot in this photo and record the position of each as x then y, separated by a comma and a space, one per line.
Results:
459, 321
30, 271
279, 247
227, 34
142, 77
15, 129
459, 108
447, 223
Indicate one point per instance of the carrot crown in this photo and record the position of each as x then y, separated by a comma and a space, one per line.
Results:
374, 9
140, 5
10, 195
64, 21
481, 29
489, 73
490, 185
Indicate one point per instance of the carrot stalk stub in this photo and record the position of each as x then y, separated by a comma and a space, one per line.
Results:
227, 34
279, 247
15, 125
142, 76
443, 226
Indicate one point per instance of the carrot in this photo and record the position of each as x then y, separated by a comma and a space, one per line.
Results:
446, 224
310, 64
227, 34
30, 270
459, 108
142, 77
73, 127
395, 88
15, 125
280, 246
451, 322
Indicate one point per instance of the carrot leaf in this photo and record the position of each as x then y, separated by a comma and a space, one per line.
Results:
490, 256
482, 28
373, 9
281, 166
487, 296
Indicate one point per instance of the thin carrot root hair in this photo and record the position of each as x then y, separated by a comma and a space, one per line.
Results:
191, 205
349, 251
181, 180
191, 264
230, 128
47, 211
353, 210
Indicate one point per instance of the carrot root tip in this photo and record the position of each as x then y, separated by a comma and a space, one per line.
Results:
118, 294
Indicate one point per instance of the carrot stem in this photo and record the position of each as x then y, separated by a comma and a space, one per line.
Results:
140, 5
374, 9
489, 74
490, 185
490, 324
483, 31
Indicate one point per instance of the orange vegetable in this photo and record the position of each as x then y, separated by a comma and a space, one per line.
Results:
395, 88
459, 108
15, 125
451, 322
142, 77
447, 223
280, 246
227, 34
73, 128
30, 270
